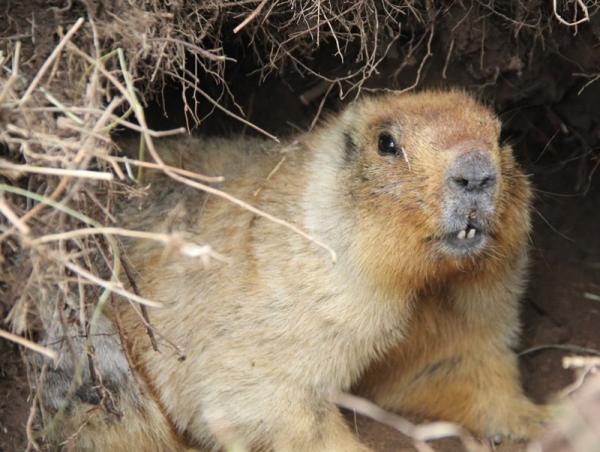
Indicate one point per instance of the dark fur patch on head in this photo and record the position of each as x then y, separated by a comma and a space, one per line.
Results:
350, 148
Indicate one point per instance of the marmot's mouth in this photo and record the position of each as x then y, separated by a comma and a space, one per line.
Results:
467, 241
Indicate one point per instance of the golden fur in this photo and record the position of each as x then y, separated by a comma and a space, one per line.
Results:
271, 333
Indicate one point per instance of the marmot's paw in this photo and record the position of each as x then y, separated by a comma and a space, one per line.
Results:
522, 420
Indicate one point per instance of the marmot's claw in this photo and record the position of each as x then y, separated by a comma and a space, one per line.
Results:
527, 424
496, 440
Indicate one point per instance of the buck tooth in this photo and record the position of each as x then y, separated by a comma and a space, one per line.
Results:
462, 234
471, 233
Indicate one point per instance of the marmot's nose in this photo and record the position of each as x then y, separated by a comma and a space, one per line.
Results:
472, 172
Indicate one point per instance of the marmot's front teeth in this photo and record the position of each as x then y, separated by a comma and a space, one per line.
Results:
466, 235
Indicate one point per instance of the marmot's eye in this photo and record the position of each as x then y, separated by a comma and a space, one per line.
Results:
387, 145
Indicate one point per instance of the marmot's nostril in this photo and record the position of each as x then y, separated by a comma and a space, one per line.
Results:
472, 172
488, 181
460, 182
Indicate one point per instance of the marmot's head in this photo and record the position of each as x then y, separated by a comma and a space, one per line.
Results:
434, 187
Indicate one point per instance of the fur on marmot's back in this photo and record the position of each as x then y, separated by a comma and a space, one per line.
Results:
429, 216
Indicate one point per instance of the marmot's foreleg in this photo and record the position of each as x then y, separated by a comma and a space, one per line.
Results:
478, 387
301, 431
457, 362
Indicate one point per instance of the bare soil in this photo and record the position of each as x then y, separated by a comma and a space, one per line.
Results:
14, 405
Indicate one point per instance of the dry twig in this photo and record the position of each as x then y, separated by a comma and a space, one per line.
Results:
28, 344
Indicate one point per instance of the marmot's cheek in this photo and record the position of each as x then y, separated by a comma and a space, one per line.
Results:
468, 202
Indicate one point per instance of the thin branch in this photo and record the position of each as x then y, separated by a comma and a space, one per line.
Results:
570, 362
13, 217
14, 73
251, 16
50, 60
183, 172
565, 347
585, 18
186, 248
29, 344
223, 109
111, 286
56, 171
428, 55
423, 432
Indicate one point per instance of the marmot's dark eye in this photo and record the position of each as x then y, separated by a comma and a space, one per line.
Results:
387, 145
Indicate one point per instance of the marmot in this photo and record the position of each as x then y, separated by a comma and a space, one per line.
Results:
429, 216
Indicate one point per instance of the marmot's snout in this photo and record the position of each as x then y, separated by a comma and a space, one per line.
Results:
472, 173
468, 202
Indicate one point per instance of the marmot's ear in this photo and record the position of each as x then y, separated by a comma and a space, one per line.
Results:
350, 146
348, 115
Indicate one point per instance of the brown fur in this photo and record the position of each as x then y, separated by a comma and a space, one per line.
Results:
269, 334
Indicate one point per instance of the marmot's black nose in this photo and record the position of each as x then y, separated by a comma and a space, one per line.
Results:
473, 172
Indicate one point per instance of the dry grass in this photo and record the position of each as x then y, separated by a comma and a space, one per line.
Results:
61, 103
59, 107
